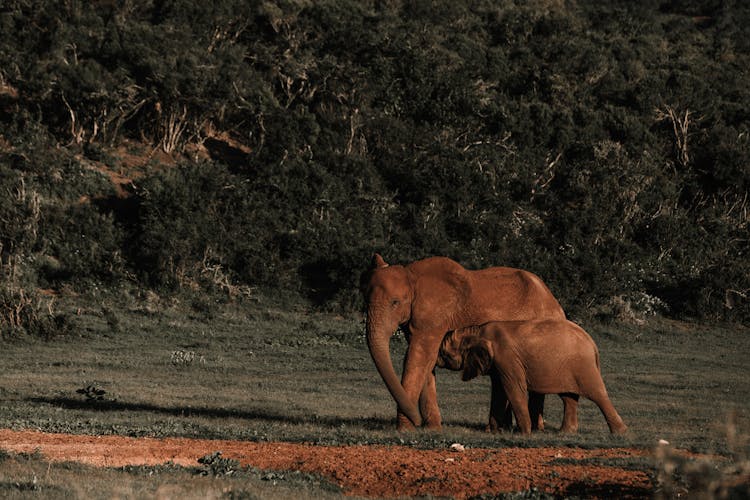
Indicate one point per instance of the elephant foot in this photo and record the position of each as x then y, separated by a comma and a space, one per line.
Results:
433, 422
404, 424
494, 427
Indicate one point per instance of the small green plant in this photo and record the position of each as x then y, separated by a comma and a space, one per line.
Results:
186, 358
216, 465
92, 393
113, 320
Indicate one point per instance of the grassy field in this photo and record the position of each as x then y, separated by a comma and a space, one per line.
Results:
263, 371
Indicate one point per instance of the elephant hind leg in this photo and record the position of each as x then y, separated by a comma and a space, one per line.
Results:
570, 412
614, 421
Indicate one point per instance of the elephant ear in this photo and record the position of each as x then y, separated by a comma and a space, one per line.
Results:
378, 262
477, 359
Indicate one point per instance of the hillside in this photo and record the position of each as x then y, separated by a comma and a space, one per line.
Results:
248, 147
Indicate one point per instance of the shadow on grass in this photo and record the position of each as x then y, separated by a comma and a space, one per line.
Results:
371, 423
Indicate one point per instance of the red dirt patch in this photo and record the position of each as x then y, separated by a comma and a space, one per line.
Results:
372, 471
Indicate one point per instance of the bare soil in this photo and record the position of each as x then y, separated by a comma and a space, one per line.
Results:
370, 471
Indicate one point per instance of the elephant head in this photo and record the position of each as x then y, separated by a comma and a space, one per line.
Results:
477, 357
389, 295
450, 355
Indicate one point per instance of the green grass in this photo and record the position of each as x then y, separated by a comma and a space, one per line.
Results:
266, 371
29, 476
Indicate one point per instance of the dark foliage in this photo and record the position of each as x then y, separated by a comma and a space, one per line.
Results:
604, 146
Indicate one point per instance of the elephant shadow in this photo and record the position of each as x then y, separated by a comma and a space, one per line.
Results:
369, 423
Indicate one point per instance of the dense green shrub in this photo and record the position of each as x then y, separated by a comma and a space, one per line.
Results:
185, 214
20, 213
86, 246
22, 309
24, 312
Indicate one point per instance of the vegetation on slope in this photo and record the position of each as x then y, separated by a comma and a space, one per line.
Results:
279, 144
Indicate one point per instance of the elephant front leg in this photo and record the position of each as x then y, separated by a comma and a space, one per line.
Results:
501, 417
519, 401
428, 405
418, 379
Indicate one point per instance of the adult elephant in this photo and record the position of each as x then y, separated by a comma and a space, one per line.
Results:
428, 298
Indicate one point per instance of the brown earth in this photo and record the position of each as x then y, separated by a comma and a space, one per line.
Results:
134, 160
371, 471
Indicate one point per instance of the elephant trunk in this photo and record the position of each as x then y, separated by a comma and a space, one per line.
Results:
378, 341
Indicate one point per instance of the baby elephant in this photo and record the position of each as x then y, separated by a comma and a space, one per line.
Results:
545, 357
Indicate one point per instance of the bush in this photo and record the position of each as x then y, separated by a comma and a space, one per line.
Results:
81, 246
25, 312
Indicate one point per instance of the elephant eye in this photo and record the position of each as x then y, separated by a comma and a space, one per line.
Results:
395, 302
